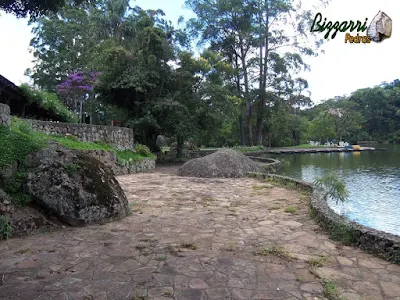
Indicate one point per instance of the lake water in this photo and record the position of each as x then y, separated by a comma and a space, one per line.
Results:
372, 179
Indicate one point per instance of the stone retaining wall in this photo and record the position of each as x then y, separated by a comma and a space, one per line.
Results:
4, 115
122, 167
120, 137
379, 243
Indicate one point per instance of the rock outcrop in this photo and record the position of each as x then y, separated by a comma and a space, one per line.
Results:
222, 163
74, 186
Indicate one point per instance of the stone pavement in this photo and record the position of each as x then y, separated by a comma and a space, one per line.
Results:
191, 238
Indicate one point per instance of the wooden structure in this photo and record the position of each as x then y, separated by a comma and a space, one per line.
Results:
117, 123
19, 104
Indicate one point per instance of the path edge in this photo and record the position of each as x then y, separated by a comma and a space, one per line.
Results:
340, 228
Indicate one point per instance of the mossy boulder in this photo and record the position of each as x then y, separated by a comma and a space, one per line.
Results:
74, 186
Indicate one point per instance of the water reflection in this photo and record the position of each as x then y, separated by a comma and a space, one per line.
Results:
372, 178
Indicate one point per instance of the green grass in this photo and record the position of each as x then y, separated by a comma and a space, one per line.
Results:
330, 290
291, 209
76, 144
317, 262
132, 156
20, 140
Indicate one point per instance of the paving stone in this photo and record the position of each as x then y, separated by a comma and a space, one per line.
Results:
198, 283
142, 255
391, 289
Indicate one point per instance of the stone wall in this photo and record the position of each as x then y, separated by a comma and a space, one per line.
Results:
379, 243
4, 115
120, 137
271, 165
122, 168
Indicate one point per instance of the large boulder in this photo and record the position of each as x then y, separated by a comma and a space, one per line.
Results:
222, 163
74, 186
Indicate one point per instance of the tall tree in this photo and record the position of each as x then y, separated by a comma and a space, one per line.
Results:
61, 45
249, 33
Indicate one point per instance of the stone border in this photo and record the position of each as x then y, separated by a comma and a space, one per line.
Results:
379, 243
270, 164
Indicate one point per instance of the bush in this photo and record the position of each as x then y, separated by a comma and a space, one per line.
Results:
336, 188
5, 227
49, 102
143, 150
161, 141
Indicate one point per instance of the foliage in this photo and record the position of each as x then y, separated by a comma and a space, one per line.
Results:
17, 143
243, 86
291, 209
336, 188
62, 43
143, 150
49, 102
76, 89
330, 290
129, 155
33, 8
5, 227
248, 34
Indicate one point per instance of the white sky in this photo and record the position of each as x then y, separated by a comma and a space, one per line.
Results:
341, 70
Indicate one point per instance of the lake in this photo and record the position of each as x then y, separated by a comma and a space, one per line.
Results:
372, 179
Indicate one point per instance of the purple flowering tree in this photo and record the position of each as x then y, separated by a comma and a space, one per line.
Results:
77, 88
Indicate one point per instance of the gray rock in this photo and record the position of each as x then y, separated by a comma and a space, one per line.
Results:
75, 186
222, 163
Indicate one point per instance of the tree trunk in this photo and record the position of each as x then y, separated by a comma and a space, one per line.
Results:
80, 111
241, 130
260, 121
263, 75
260, 116
247, 94
179, 146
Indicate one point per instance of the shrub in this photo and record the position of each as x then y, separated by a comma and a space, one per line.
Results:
336, 188
143, 150
49, 102
5, 227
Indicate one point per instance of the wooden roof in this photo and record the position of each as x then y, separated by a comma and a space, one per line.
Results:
15, 98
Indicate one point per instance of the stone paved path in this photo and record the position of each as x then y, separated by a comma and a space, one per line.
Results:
194, 239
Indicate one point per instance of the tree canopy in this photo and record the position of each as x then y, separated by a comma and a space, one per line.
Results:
34, 8
243, 85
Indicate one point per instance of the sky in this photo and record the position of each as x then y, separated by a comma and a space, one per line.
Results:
343, 68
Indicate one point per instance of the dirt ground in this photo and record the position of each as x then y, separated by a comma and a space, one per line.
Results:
192, 238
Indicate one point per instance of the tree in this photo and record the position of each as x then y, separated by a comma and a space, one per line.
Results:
322, 128
61, 45
76, 89
248, 33
34, 8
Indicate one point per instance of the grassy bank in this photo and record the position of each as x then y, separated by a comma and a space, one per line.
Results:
20, 140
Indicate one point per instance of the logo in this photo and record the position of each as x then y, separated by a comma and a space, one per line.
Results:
379, 29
